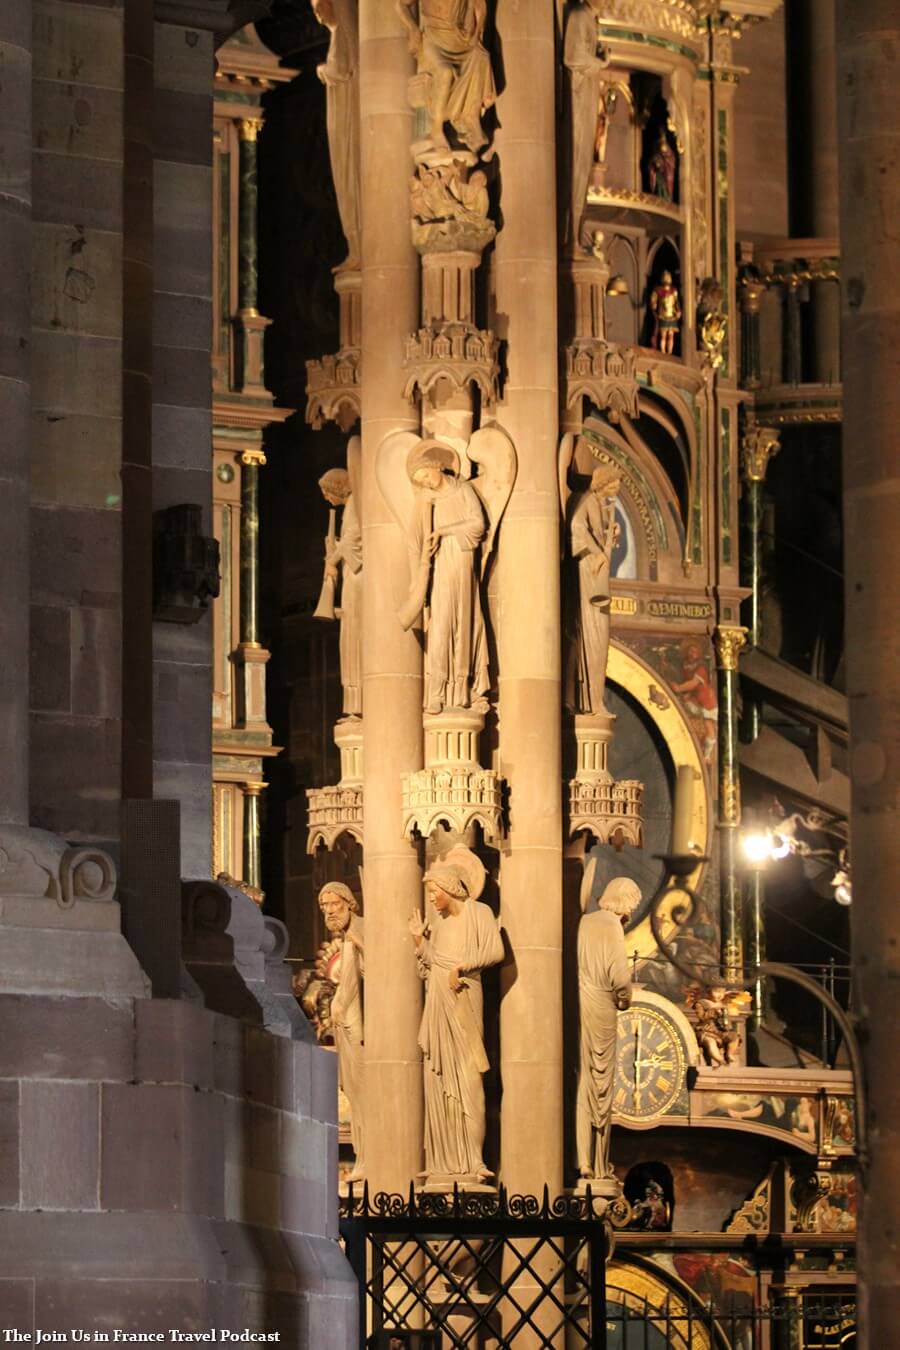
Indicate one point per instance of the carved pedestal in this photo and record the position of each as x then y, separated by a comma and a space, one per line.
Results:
452, 789
609, 810
338, 810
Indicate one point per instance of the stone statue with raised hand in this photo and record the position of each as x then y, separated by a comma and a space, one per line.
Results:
453, 945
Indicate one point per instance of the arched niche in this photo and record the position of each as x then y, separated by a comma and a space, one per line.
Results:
623, 311
663, 255
648, 499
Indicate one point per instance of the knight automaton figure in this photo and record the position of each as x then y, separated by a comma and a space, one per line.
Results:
665, 307
661, 169
343, 567
341, 913
459, 940
604, 988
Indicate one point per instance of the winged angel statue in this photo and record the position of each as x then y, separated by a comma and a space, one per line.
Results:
450, 518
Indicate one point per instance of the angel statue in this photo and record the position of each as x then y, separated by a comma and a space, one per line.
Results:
446, 39
452, 949
339, 73
343, 567
592, 533
451, 523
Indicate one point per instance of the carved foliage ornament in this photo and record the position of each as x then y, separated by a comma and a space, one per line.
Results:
730, 642
758, 445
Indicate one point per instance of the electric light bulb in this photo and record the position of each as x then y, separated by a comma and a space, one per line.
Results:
757, 847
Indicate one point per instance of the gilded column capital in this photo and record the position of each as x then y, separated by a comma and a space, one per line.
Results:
249, 128
758, 445
751, 293
729, 644
253, 455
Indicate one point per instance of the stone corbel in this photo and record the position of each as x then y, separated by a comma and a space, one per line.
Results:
447, 358
606, 374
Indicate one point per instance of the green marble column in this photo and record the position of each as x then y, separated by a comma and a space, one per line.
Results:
251, 866
756, 942
751, 294
249, 547
758, 445
248, 131
729, 642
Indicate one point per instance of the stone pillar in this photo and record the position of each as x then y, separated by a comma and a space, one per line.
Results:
249, 549
868, 48
729, 642
821, 55
182, 448
251, 864
758, 445
392, 660
525, 286
15, 404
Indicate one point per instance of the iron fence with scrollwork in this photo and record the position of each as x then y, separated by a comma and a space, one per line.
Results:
488, 1270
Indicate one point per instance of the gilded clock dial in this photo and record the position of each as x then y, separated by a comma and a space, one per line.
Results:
650, 1064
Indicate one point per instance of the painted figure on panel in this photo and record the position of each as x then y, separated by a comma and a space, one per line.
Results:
593, 534
445, 37
604, 987
452, 948
698, 689
340, 910
343, 565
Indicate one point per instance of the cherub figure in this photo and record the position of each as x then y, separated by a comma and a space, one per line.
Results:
717, 1034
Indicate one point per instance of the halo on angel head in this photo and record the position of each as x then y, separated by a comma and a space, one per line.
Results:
622, 896
460, 873
432, 454
605, 475
337, 482
338, 888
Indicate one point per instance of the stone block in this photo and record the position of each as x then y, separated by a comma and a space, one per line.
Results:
77, 280
182, 436
75, 775
324, 1080
78, 44
9, 1144
75, 557
305, 1204
95, 1245
184, 60
174, 1043
183, 321
254, 1256
66, 960
320, 1267
83, 1038
59, 1145
180, 374
268, 1068
15, 171
96, 656
49, 667
252, 1137
182, 214
228, 1055
178, 690
303, 1150
304, 1055
75, 460
191, 786
77, 119
179, 1163
72, 373
181, 126
252, 1197
62, 192
133, 1305
17, 1305
15, 247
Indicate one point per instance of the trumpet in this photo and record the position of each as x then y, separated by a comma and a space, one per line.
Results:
325, 608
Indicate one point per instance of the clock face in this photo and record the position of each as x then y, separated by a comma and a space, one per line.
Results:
650, 1064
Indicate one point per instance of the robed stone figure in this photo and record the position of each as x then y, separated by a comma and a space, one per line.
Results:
341, 913
452, 949
604, 987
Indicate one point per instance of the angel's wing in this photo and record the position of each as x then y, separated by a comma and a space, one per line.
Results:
392, 478
494, 453
564, 464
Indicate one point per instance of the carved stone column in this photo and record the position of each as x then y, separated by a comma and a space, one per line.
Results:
392, 659
868, 38
525, 285
15, 402
729, 643
751, 296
